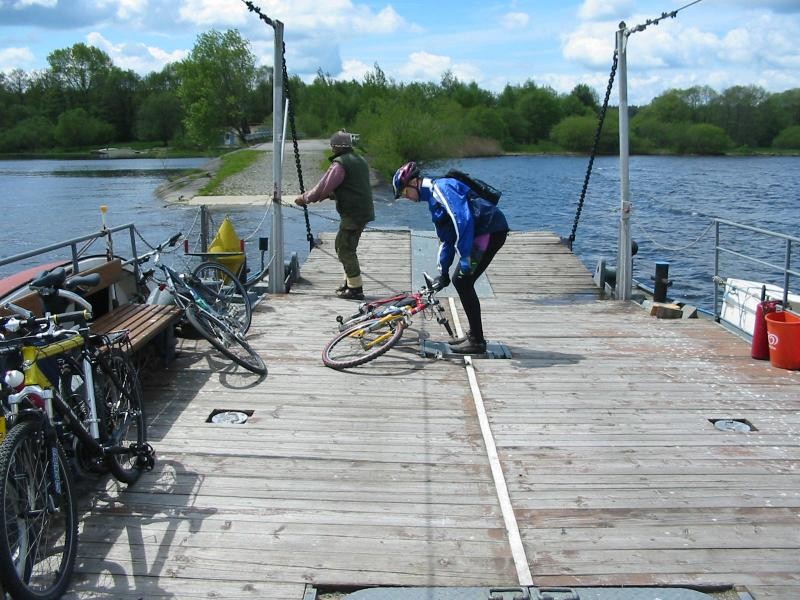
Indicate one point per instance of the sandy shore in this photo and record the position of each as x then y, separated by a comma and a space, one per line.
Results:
254, 184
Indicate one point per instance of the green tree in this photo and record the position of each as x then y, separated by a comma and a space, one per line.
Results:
76, 128
34, 133
575, 133
159, 117
704, 138
80, 69
216, 80
789, 138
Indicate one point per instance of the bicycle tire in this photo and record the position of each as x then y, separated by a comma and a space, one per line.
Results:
33, 513
225, 338
122, 418
363, 343
220, 287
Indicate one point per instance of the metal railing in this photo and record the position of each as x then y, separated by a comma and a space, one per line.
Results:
78, 246
783, 271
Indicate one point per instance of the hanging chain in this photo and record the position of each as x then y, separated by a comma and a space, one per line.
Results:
601, 119
309, 235
253, 8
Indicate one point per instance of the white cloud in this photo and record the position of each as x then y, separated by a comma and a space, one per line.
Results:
592, 10
354, 70
136, 57
515, 20
213, 13
20, 4
15, 58
424, 66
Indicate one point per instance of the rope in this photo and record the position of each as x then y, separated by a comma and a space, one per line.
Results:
689, 245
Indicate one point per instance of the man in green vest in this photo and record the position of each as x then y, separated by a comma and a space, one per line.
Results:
347, 182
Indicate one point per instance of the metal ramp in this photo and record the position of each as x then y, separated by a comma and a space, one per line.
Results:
433, 349
528, 593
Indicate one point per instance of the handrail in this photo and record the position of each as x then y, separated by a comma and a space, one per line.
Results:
785, 269
73, 245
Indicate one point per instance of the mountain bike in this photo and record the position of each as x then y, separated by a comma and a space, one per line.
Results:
212, 300
70, 401
379, 325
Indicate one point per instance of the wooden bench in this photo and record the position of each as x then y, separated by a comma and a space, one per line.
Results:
145, 323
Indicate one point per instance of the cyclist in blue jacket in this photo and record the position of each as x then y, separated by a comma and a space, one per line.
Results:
465, 223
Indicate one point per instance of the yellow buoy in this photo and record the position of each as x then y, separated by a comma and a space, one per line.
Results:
227, 241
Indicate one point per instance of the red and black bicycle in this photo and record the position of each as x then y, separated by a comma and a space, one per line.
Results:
379, 325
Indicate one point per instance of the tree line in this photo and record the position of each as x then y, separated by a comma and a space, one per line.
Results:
83, 100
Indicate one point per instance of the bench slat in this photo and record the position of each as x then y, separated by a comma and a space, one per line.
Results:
143, 321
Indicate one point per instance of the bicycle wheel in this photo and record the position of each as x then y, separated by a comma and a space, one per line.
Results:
39, 521
122, 419
226, 338
220, 287
364, 342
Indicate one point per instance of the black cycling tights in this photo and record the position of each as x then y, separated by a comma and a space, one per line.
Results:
465, 286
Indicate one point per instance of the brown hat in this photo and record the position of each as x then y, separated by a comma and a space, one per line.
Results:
341, 141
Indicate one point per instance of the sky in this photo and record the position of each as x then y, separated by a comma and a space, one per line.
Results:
556, 43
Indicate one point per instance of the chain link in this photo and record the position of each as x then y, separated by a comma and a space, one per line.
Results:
601, 119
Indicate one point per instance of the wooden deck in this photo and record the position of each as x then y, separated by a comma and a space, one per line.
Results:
380, 475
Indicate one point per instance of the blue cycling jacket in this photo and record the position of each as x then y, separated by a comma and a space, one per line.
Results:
459, 216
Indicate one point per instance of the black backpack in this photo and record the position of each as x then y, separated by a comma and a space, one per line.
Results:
478, 186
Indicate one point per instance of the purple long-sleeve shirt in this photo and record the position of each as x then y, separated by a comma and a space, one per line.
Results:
331, 180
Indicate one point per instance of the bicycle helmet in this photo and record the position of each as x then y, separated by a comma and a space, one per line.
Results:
402, 176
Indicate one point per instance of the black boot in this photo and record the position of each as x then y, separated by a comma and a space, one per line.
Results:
341, 288
471, 346
356, 293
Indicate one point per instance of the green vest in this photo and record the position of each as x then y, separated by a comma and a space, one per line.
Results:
354, 195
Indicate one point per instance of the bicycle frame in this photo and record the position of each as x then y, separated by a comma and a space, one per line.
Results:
38, 393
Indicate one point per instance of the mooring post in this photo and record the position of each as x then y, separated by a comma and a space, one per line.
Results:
661, 279
275, 281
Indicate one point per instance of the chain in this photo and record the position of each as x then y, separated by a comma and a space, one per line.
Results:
600, 121
671, 14
309, 235
253, 8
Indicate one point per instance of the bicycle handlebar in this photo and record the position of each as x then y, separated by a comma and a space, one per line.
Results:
143, 258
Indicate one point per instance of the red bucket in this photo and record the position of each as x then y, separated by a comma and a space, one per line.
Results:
783, 335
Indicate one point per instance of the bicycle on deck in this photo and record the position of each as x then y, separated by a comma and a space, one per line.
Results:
379, 325
71, 402
212, 300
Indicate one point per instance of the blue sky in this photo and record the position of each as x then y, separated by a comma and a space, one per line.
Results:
720, 43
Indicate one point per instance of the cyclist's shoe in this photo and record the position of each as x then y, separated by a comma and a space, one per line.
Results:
471, 346
459, 341
348, 293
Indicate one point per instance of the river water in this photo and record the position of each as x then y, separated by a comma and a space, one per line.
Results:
673, 198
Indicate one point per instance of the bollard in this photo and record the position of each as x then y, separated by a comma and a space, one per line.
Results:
661, 282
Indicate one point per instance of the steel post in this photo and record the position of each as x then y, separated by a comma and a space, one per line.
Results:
624, 264
275, 281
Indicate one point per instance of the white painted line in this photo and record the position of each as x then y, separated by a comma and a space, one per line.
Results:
514, 538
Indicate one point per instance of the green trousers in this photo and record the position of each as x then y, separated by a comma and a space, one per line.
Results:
346, 245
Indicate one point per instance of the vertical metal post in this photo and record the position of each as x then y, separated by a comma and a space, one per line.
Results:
203, 228
276, 284
717, 307
661, 282
624, 264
